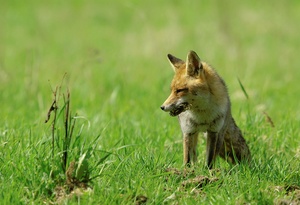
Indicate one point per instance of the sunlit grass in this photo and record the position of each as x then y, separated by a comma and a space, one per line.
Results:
114, 54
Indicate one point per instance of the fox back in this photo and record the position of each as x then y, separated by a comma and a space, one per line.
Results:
199, 98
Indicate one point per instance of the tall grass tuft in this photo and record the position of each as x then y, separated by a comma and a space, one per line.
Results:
70, 152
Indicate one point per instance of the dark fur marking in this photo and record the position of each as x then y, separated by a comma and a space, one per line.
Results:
191, 134
210, 90
194, 92
194, 123
219, 117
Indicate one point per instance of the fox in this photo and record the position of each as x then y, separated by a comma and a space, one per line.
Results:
200, 99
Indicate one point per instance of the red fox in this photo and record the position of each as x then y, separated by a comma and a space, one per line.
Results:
199, 98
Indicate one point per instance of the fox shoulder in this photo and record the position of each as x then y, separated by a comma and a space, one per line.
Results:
217, 88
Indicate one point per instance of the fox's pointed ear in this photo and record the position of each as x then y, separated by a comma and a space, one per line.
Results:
193, 64
175, 62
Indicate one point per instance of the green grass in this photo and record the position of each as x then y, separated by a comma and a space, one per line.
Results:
114, 54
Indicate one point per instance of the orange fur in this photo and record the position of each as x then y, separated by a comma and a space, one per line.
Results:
200, 99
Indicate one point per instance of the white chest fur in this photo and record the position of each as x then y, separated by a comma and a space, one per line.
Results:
192, 122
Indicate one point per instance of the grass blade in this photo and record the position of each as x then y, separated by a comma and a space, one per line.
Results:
243, 89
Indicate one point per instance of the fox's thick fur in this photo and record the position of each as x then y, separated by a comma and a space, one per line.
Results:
199, 98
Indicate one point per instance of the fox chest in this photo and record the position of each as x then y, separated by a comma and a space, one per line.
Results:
191, 122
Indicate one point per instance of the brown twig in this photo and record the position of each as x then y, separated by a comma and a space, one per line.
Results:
268, 119
72, 126
67, 140
53, 108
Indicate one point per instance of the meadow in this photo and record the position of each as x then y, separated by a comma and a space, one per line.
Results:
112, 57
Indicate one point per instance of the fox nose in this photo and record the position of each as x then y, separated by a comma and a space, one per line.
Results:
162, 107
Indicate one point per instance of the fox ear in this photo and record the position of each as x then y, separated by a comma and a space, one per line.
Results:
193, 64
175, 62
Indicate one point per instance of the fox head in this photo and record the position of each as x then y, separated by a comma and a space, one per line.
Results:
189, 85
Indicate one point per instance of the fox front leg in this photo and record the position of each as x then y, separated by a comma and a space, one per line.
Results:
190, 142
211, 148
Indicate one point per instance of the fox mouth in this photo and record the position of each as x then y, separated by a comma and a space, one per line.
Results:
179, 109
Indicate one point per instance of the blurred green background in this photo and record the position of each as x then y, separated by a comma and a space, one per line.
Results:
120, 47
114, 54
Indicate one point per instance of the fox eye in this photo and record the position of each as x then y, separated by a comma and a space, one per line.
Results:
182, 90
